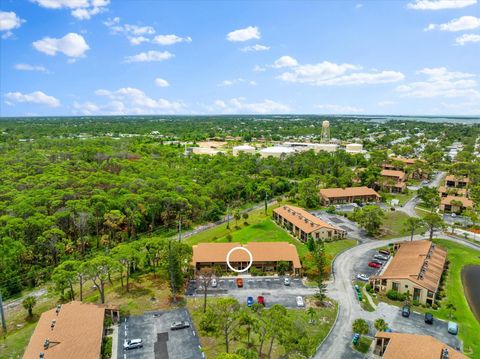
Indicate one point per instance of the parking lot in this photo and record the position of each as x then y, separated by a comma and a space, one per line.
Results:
272, 289
353, 231
159, 341
362, 266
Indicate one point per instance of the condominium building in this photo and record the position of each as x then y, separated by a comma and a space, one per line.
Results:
348, 195
458, 182
392, 181
455, 204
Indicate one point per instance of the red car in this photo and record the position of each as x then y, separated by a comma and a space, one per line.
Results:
261, 300
374, 265
239, 282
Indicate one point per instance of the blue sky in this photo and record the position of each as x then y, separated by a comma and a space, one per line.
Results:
101, 57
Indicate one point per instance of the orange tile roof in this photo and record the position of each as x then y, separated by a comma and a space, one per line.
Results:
348, 192
457, 179
261, 252
307, 222
412, 346
393, 173
77, 333
458, 191
467, 203
411, 258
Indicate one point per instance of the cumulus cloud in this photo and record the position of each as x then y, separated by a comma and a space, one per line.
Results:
239, 105
36, 97
440, 82
285, 61
28, 67
256, 47
150, 56
258, 68
170, 39
440, 4
128, 101
80, 9
460, 24
385, 103
237, 81
341, 109
248, 33
71, 45
466, 38
329, 73
9, 21
161, 82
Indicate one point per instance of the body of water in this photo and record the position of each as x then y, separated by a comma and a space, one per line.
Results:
471, 285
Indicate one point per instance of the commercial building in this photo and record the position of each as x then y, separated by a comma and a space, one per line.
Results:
348, 195
354, 148
392, 181
410, 346
243, 149
71, 331
276, 151
416, 268
303, 224
265, 255
455, 204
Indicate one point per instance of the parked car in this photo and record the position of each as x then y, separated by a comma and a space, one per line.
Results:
249, 301
286, 281
374, 265
300, 302
179, 325
429, 318
406, 311
239, 282
380, 257
261, 300
377, 261
384, 252
362, 276
356, 338
214, 283
453, 328
132, 344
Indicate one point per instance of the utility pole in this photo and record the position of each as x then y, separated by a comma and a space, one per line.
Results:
2, 314
266, 201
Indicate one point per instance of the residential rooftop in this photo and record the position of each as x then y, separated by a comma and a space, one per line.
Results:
467, 203
307, 222
348, 192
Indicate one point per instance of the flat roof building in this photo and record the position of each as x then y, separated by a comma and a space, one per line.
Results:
303, 224
348, 195
265, 255
71, 331
416, 268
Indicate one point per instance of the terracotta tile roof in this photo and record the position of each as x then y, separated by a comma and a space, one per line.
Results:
458, 191
467, 203
407, 161
393, 173
348, 192
303, 220
261, 252
455, 179
412, 346
77, 333
411, 258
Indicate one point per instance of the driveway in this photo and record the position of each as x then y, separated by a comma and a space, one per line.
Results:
353, 231
159, 341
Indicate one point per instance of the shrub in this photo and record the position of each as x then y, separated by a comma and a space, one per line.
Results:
369, 288
229, 237
255, 271
392, 294
416, 302
434, 306
106, 347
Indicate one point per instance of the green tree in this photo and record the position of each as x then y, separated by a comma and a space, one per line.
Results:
412, 224
433, 221
312, 314
229, 356
204, 279
98, 270
308, 193
128, 257
370, 218
65, 275
245, 218
28, 303
381, 325
225, 314
282, 267
429, 197
360, 326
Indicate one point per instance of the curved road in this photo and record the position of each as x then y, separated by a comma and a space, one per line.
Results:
337, 344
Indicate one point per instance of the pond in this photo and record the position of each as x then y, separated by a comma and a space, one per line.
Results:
471, 284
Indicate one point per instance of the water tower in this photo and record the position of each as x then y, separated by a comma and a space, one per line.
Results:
325, 132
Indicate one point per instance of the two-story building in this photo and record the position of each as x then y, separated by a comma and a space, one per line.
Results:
392, 181
361, 194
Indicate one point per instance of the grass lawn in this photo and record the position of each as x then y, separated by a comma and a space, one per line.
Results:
363, 344
402, 197
14, 345
213, 346
365, 304
394, 225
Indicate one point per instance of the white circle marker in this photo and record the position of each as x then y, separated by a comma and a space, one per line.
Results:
239, 270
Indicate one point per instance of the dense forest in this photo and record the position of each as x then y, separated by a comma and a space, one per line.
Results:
64, 197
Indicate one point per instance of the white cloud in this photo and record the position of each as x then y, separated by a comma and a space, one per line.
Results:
440, 4
128, 101
28, 67
328, 73
237, 81
385, 103
37, 97
238, 105
170, 39
358, 6
72, 45
150, 56
258, 68
459, 24
80, 9
440, 82
465, 38
285, 61
9, 21
137, 40
161, 82
256, 47
329, 108
249, 33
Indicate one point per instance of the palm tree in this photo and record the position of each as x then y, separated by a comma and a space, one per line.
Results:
28, 303
360, 326
312, 314
381, 325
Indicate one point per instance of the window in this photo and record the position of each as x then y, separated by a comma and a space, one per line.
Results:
430, 294
395, 286
416, 293
406, 285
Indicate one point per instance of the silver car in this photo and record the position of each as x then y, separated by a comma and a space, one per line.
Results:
132, 344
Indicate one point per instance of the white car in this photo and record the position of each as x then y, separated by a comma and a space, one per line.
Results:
300, 302
362, 276
214, 283
132, 344
286, 281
